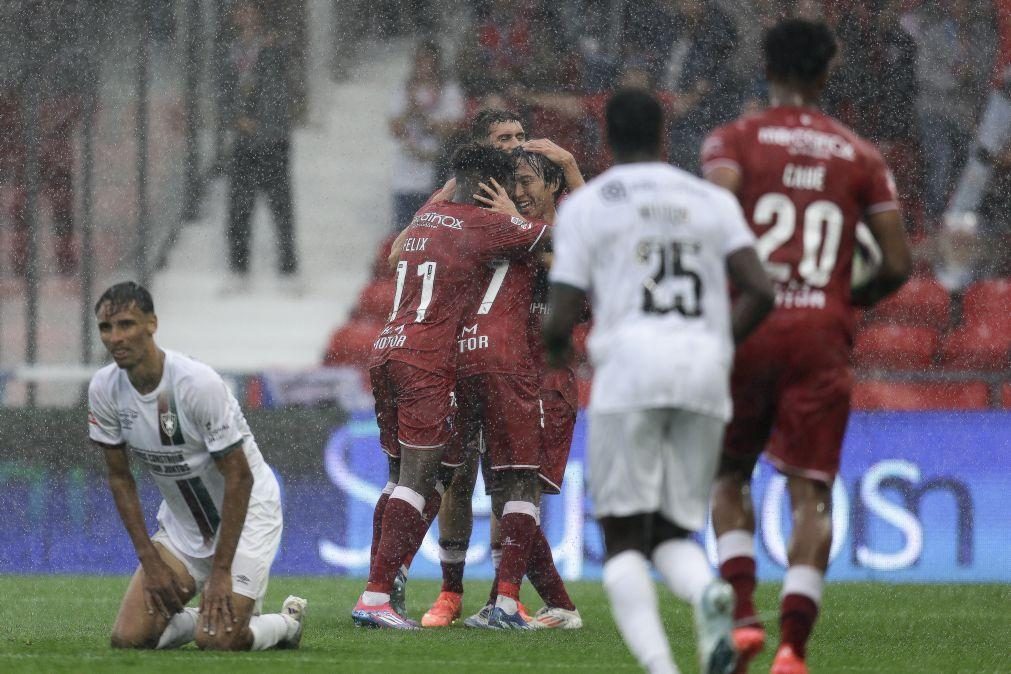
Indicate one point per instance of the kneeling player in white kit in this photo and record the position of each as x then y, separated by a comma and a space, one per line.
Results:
653, 247
220, 521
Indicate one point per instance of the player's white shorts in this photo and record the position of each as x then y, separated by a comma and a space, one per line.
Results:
258, 544
654, 460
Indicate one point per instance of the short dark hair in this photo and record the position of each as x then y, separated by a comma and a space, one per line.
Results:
481, 126
122, 295
634, 121
483, 162
798, 50
547, 170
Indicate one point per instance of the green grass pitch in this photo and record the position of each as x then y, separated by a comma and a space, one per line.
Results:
61, 624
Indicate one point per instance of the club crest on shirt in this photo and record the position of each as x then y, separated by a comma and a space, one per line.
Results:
168, 423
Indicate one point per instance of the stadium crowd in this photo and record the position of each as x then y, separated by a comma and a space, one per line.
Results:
918, 90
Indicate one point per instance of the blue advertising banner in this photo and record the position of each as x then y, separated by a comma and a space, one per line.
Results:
921, 497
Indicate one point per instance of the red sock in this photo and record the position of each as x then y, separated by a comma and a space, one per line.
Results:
797, 614
377, 525
544, 576
401, 524
740, 573
518, 533
432, 504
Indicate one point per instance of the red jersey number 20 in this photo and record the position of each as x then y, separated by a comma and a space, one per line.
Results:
822, 223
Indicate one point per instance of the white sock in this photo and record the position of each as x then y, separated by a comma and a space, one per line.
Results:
804, 580
684, 568
507, 604
181, 629
268, 630
736, 543
374, 598
633, 601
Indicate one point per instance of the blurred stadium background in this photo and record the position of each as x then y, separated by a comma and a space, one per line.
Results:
121, 104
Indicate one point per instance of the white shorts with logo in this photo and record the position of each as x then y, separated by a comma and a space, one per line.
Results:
258, 544
654, 460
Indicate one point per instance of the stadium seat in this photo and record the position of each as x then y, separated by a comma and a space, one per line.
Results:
895, 347
351, 344
976, 347
921, 301
894, 395
988, 302
375, 301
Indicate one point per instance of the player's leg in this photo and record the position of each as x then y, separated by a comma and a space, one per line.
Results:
517, 504
455, 526
559, 420
690, 450
512, 433
754, 394
625, 481
138, 627
811, 422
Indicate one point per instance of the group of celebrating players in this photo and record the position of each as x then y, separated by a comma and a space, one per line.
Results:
465, 375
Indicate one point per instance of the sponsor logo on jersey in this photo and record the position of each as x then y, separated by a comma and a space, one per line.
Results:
126, 418
807, 142
613, 191
241, 579
521, 223
432, 219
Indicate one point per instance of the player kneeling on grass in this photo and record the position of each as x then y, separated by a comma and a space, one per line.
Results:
220, 521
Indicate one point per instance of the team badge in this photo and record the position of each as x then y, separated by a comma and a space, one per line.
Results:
169, 423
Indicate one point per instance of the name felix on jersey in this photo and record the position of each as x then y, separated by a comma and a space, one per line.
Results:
413, 245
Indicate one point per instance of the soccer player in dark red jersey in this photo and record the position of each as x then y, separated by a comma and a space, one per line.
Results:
523, 414
412, 368
804, 181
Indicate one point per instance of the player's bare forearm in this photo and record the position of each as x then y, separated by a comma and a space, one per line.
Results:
238, 486
757, 296
124, 494
566, 304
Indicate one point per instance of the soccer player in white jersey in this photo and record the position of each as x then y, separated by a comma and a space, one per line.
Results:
653, 247
219, 525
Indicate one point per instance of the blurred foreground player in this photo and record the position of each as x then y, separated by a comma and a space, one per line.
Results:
805, 181
220, 521
441, 261
653, 247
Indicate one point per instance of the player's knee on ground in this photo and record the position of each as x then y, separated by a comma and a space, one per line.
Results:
664, 530
622, 534
133, 637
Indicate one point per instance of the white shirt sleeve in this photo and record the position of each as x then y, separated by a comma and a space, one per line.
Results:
103, 422
736, 233
572, 248
212, 410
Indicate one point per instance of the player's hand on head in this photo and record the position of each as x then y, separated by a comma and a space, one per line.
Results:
496, 199
553, 152
217, 615
163, 591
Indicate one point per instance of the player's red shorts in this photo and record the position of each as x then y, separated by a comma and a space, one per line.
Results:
556, 439
791, 389
505, 411
413, 407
